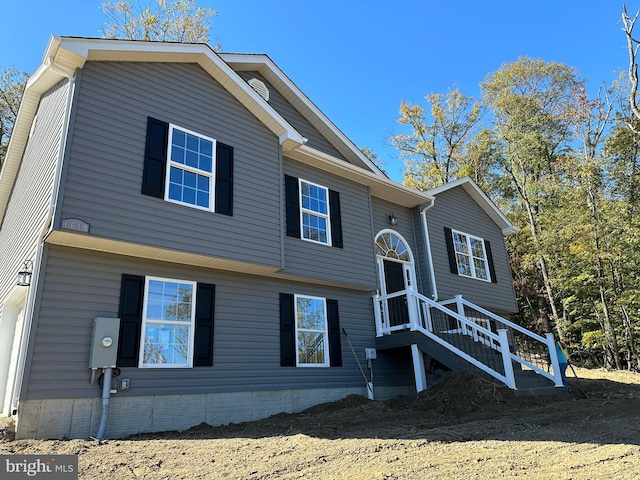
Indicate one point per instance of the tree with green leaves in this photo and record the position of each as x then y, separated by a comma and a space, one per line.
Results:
12, 83
533, 104
435, 149
588, 246
161, 20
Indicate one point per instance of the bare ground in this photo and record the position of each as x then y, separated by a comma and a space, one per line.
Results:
464, 427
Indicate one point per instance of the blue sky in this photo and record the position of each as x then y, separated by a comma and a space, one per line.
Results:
356, 59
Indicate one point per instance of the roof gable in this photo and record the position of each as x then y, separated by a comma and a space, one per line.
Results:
269, 70
484, 202
64, 55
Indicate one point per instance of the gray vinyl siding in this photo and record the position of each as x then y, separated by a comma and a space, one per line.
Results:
295, 118
355, 262
30, 200
407, 227
455, 209
81, 285
104, 172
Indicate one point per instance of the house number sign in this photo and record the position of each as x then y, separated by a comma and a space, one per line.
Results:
75, 224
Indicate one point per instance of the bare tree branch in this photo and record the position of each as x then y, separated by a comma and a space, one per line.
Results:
632, 47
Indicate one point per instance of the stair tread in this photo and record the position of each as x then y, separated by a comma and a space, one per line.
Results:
528, 382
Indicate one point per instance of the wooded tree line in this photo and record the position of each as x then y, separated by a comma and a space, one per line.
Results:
564, 166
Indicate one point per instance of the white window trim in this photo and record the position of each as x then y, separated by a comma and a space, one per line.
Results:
192, 324
211, 175
325, 332
303, 210
471, 257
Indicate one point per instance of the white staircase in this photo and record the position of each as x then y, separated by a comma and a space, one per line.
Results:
464, 336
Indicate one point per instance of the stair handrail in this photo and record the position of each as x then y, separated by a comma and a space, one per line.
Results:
548, 340
413, 300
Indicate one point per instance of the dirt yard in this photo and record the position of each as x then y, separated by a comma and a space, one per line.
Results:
464, 427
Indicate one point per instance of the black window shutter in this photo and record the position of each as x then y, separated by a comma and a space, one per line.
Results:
287, 331
492, 268
292, 202
155, 158
336, 219
224, 179
453, 264
335, 347
203, 342
131, 298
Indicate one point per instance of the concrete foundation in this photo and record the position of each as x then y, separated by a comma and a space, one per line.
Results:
128, 415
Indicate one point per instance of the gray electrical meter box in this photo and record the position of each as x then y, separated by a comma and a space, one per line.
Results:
104, 345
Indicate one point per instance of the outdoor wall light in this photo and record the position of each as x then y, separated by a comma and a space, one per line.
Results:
24, 276
392, 219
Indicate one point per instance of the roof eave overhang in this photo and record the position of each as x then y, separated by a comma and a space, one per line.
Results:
379, 187
472, 189
64, 55
76, 49
45, 77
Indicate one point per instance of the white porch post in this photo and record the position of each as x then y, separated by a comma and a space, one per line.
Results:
418, 368
460, 308
412, 309
553, 355
506, 358
377, 307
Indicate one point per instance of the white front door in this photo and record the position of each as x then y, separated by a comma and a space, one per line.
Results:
396, 276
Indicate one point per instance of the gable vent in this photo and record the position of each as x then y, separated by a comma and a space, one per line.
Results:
260, 88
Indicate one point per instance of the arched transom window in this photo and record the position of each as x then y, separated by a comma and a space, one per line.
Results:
391, 246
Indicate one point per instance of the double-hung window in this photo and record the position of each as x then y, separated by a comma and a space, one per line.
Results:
187, 168
168, 323
309, 331
314, 212
165, 322
190, 169
312, 342
471, 256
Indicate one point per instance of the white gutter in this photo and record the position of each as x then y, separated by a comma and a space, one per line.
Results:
423, 214
47, 227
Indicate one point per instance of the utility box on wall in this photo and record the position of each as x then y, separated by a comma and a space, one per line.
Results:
104, 344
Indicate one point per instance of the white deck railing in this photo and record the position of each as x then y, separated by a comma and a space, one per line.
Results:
440, 320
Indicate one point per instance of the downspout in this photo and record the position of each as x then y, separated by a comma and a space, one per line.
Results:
423, 214
46, 229
281, 203
106, 379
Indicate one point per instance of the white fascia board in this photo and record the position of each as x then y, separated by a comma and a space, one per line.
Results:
64, 55
380, 187
268, 69
481, 199
73, 49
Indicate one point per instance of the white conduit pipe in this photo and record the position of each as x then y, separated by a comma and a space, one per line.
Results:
106, 392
